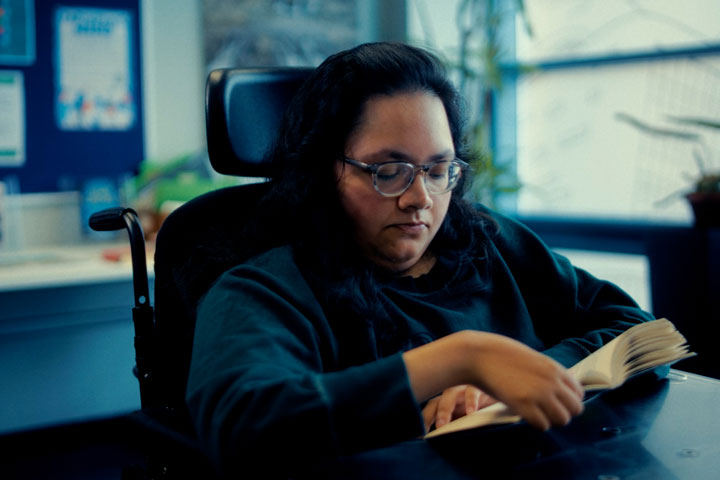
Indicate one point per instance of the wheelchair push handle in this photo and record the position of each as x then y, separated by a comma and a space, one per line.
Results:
109, 219
143, 314
117, 218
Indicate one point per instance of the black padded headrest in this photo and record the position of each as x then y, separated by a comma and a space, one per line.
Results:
244, 110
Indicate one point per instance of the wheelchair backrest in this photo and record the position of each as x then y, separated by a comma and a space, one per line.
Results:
204, 237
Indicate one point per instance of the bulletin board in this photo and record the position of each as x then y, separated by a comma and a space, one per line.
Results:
81, 99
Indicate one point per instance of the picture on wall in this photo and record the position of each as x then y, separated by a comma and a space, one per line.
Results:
12, 119
93, 69
17, 32
242, 33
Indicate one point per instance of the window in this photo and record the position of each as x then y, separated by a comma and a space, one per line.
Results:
597, 63
591, 181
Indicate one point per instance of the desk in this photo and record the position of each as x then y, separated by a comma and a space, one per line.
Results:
655, 430
66, 348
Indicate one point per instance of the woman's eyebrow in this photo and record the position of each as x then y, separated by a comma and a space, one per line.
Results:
402, 156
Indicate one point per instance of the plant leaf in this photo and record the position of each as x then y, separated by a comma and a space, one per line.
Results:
700, 122
652, 130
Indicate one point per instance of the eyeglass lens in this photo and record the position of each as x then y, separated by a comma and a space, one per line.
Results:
394, 178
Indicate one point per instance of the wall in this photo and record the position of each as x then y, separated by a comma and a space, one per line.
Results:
173, 78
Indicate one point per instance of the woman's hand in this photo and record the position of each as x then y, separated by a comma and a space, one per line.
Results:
533, 385
453, 403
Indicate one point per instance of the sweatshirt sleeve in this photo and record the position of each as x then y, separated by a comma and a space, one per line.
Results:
573, 312
261, 379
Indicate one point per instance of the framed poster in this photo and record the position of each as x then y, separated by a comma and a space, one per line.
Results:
93, 70
12, 119
17, 32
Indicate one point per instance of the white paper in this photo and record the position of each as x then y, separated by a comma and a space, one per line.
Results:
17, 32
12, 119
94, 76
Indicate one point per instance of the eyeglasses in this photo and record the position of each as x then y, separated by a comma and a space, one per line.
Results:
391, 179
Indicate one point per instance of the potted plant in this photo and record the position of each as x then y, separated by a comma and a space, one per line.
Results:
704, 193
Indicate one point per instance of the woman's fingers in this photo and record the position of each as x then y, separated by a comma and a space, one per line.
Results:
556, 408
535, 416
454, 402
570, 394
576, 387
450, 399
543, 415
472, 399
532, 384
429, 412
484, 400
558, 414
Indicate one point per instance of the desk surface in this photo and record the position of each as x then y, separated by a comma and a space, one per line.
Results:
64, 266
648, 429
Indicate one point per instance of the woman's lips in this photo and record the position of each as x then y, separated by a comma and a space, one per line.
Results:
411, 227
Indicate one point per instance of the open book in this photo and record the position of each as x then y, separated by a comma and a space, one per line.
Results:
638, 349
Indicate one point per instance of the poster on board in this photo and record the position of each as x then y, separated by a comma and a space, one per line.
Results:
12, 119
17, 32
93, 70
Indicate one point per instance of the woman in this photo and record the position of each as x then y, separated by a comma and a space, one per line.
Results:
394, 305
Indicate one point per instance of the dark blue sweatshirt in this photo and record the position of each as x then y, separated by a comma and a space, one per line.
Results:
275, 374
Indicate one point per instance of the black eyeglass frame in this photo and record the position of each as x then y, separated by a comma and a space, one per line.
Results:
373, 168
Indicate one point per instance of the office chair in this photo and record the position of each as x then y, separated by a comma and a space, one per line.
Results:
197, 243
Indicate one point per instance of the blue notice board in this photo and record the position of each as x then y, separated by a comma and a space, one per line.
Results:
95, 70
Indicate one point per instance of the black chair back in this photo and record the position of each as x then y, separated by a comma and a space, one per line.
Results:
204, 237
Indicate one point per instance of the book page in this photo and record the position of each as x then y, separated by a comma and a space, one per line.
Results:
640, 348
594, 372
651, 360
495, 414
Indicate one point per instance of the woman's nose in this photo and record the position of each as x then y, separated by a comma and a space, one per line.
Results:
417, 195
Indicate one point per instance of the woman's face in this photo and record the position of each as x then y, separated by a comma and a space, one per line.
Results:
394, 232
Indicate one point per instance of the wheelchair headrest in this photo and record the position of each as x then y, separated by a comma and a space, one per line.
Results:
244, 107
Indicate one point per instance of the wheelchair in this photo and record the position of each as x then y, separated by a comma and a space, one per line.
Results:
197, 243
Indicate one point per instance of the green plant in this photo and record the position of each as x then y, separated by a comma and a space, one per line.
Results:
179, 179
475, 63
707, 180
479, 80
